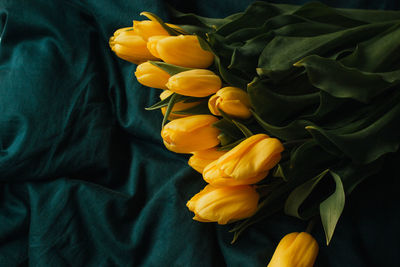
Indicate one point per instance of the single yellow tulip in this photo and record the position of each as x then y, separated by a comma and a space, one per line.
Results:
179, 106
224, 204
202, 158
152, 44
197, 83
151, 76
295, 250
185, 51
231, 100
247, 163
129, 46
189, 134
148, 28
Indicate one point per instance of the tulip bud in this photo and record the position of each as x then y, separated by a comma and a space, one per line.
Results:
231, 100
148, 28
151, 76
202, 158
190, 134
224, 204
152, 44
197, 83
247, 163
129, 46
179, 106
185, 51
295, 249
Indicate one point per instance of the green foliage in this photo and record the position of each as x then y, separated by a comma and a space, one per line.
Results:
326, 82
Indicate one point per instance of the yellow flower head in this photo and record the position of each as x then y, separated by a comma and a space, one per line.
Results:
184, 51
224, 204
129, 46
247, 163
189, 134
179, 106
148, 28
202, 158
231, 100
197, 83
295, 250
151, 76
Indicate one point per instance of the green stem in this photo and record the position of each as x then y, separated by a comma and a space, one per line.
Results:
311, 225
171, 104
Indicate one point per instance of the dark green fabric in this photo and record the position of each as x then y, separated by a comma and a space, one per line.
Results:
84, 177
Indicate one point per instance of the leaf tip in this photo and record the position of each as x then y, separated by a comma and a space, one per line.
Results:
298, 63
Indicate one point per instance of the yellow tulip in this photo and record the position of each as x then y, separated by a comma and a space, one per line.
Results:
247, 163
202, 158
189, 134
151, 76
179, 106
295, 250
197, 83
152, 44
185, 51
231, 100
129, 46
224, 204
148, 28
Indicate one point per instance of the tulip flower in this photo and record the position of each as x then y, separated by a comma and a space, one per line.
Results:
224, 204
129, 46
295, 250
202, 158
184, 51
148, 28
189, 134
197, 83
231, 100
247, 163
151, 76
152, 44
179, 106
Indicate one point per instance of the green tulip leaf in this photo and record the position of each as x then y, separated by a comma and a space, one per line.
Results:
294, 130
343, 82
171, 104
201, 108
353, 174
228, 76
165, 102
246, 132
318, 12
279, 55
225, 140
258, 11
278, 172
277, 108
196, 24
360, 143
229, 128
300, 194
169, 68
332, 207
231, 145
378, 54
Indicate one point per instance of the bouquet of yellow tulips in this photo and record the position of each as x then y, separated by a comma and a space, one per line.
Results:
282, 109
